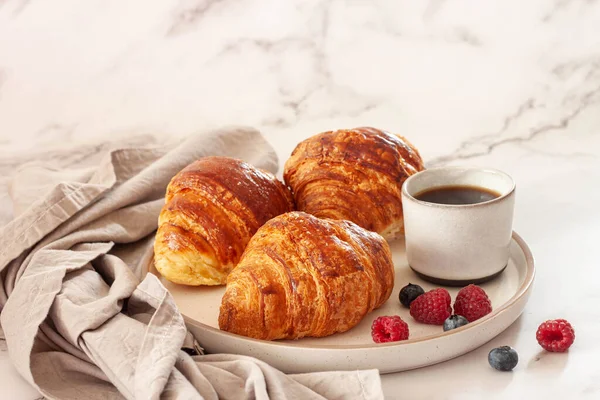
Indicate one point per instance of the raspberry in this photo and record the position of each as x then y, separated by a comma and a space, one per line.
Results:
555, 335
389, 329
432, 307
472, 303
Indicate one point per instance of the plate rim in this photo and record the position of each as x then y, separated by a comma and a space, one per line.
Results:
522, 291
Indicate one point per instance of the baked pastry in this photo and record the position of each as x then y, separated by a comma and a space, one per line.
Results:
212, 209
304, 276
353, 174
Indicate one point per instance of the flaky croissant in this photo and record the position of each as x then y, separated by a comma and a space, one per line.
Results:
355, 174
304, 276
212, 209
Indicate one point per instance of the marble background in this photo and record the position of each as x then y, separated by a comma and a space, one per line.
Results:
508, 84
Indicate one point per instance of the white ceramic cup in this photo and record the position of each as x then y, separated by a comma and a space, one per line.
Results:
458, 244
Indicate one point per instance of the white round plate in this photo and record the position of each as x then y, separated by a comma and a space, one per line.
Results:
427, 345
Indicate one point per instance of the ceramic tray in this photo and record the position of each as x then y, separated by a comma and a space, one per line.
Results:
355, 349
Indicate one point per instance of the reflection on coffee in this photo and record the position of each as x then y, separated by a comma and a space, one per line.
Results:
457, 194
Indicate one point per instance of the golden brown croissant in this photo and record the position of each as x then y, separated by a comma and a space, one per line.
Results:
354, 174
212, 209
305, 276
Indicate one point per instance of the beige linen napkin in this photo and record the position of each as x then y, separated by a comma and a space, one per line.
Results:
81, 318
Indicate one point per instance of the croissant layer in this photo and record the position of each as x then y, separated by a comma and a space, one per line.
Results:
354, 174
304, 276
212, 209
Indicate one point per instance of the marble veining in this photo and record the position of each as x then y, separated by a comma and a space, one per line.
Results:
190, 13
510, 84
483, 145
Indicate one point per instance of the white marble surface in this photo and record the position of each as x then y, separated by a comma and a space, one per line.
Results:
513, 85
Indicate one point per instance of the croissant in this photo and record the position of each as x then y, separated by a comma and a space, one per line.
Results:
304, 276
212, 209
354, 174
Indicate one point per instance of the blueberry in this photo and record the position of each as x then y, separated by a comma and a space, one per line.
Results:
503, 358
409, 293
454, 321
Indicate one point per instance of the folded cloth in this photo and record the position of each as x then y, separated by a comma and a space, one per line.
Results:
83, 320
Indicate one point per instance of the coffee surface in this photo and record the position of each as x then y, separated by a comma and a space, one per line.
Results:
456, 194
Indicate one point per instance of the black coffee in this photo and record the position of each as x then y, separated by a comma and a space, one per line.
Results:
457, 194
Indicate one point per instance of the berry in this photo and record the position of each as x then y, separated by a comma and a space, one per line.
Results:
409, 293
432, 307
472, 303
389, 329
503, 358
454, 321
555, 335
